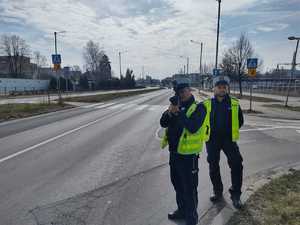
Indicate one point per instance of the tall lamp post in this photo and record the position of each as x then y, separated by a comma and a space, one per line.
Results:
55, 48
120, 62
294, 63
201, 53
218, 33
187, 63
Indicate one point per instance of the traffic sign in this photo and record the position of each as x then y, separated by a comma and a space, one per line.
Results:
56, 67
56, 59
252, 72
252, 63
217, 72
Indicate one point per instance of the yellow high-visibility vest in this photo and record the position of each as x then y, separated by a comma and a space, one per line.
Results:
191, 143
235, 129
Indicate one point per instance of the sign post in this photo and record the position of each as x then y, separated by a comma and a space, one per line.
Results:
251, 65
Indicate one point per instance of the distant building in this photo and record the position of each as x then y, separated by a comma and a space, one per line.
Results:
192, 77
148, 81
26, 68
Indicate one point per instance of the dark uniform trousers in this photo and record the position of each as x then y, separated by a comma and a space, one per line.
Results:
234, 158
184, 177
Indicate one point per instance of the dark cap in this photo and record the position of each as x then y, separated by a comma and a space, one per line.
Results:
182, 86
221, 80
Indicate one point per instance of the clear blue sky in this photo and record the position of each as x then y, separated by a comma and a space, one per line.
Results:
154, 32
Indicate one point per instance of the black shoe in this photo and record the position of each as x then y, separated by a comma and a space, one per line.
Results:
236, 201
216, 198
176, 215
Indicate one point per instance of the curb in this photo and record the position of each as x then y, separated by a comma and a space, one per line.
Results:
252, 184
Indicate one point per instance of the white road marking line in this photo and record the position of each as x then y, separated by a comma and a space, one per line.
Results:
91, 106
141, 107
155, 107
116, 106
50, 140
283, 120
157, 133
129, 106
270, 128
105, 105
257, 125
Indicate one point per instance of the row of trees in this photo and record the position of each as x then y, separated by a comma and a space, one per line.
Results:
16, 50
234, 62
114, 83
98, 67
97, 64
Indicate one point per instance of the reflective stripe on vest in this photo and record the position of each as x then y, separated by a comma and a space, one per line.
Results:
190, 143
235, 129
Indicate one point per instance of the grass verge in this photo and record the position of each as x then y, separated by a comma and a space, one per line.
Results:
21, 110
278, 106
107, 97
276, 203
255, 98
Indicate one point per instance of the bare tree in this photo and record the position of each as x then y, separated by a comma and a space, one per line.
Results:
228, 66
208, 68
76, 68
97, 62
16, 49
92, 55
236, 57
40, 61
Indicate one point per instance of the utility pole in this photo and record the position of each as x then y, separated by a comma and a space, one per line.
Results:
187, 65
55, 47
120, 65
218, 33
294, 62
201, 51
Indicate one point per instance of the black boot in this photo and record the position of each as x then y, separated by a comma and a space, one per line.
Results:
236, 201
216, 198
176, 215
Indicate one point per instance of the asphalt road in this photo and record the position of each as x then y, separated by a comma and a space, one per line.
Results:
101, 164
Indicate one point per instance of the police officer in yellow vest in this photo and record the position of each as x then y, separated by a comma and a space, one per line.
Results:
226, 118
186, 131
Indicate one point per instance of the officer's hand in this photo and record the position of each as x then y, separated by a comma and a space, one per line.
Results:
173, 109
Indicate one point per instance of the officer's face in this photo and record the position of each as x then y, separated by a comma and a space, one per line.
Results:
185, 94
221, 90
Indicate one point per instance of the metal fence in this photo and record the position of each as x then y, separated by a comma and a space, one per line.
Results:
22, 86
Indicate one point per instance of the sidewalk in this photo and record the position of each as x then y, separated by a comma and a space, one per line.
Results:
260, 107
53, 97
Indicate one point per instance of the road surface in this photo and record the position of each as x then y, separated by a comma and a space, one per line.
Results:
101, 163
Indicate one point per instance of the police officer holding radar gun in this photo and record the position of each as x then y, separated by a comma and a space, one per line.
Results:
226, 118
186, 130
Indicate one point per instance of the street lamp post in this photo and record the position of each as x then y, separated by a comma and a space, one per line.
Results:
218, 33
201, 53
187, 63
294, 62
55, 48
120, 62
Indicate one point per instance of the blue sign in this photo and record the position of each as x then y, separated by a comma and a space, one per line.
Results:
252, 63
217, 72
56, 59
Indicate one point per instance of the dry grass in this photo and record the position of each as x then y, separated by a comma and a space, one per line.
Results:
256, 98
107, 97
21, 110
278, 106
277, 203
